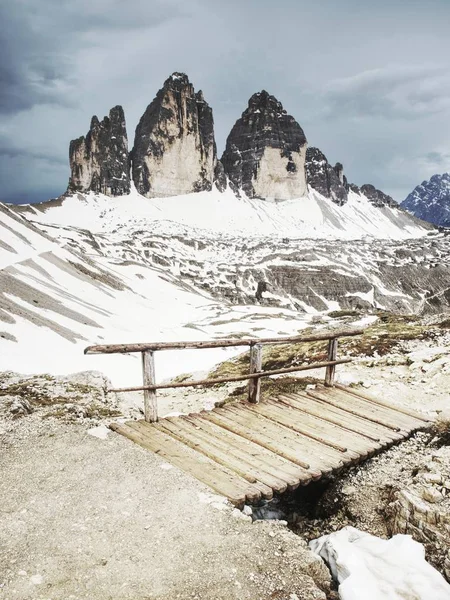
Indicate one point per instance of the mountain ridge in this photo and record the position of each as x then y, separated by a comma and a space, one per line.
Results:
430, 200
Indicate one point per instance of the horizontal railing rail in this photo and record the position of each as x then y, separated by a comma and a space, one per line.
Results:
147, 350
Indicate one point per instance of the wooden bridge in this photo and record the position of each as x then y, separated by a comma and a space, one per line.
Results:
247, 451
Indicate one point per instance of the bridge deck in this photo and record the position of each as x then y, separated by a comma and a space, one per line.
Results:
247, 452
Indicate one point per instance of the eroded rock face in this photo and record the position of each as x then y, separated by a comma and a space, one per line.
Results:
99, 161
327, 180
174, 149
377, 197
265, 151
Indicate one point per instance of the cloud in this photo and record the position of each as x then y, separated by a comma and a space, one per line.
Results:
392, 92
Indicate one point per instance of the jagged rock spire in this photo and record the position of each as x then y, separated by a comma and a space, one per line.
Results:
327, 180
265, 151
99, 161
174, 149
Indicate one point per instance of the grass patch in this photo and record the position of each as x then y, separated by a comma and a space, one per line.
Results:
275, 387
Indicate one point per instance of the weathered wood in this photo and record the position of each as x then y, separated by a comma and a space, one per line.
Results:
163, 386
274, 464
283, 417
178, 430
254, 385
125, 348
396, 407
150, 401
332, 415
332, 355
231, 486
358, 413
261, 440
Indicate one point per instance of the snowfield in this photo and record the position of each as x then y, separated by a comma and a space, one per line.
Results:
91, 269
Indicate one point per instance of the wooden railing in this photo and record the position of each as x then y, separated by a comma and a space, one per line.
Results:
254, 376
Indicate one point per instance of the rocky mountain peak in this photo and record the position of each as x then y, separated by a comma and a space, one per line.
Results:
265, 151
430, 200
174, 148
99, 161
327, 180
377, 197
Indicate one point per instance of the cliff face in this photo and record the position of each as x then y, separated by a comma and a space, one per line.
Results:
327, 180
99, 161
174, 149
265, 151
431, 200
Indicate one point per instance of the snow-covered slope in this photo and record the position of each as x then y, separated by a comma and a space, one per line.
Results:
91, 269
311, 216
431, 200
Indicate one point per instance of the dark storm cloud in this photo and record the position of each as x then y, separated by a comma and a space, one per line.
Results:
393, 92
368, 82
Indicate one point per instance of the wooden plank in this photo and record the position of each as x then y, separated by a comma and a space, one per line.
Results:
290, 418
338, 417
332, 356
186, 435
142, 347
254, 385
370, 398
384, 413
261, 440
318, 455
184, 384
258, 472
148, 372
215, 477
352, 440
289, 472
360, 412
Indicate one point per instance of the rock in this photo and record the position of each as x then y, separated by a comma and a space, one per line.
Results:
377, 197
20, 407
174, 149
327, 180
99, 162
431, 200
265, 151
432, 495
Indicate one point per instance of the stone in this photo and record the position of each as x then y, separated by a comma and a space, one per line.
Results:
327, 180
432, 495
20, 407
265, 151
99, 161
174, 148
377, 197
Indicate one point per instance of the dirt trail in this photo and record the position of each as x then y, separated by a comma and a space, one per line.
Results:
87, 518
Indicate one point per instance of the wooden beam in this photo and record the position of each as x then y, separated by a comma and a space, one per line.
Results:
254, 385
148, 371
332, 355
142, 347
163, 386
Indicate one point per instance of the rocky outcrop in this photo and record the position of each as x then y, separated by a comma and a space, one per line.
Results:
99, 161
431, 200
327, 180
376, 197
265, 151
174, 149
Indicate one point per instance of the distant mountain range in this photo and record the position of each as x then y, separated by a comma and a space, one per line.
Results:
430, 200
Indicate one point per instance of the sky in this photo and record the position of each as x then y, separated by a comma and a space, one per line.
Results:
368, 81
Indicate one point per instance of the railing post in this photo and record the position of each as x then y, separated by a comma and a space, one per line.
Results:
254, 384
332, 355
148, 371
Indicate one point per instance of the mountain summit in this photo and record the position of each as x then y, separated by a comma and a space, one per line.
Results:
265, 151
430, 200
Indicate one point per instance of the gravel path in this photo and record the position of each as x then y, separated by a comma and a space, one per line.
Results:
82, 517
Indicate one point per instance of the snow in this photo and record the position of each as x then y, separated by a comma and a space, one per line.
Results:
369, 567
